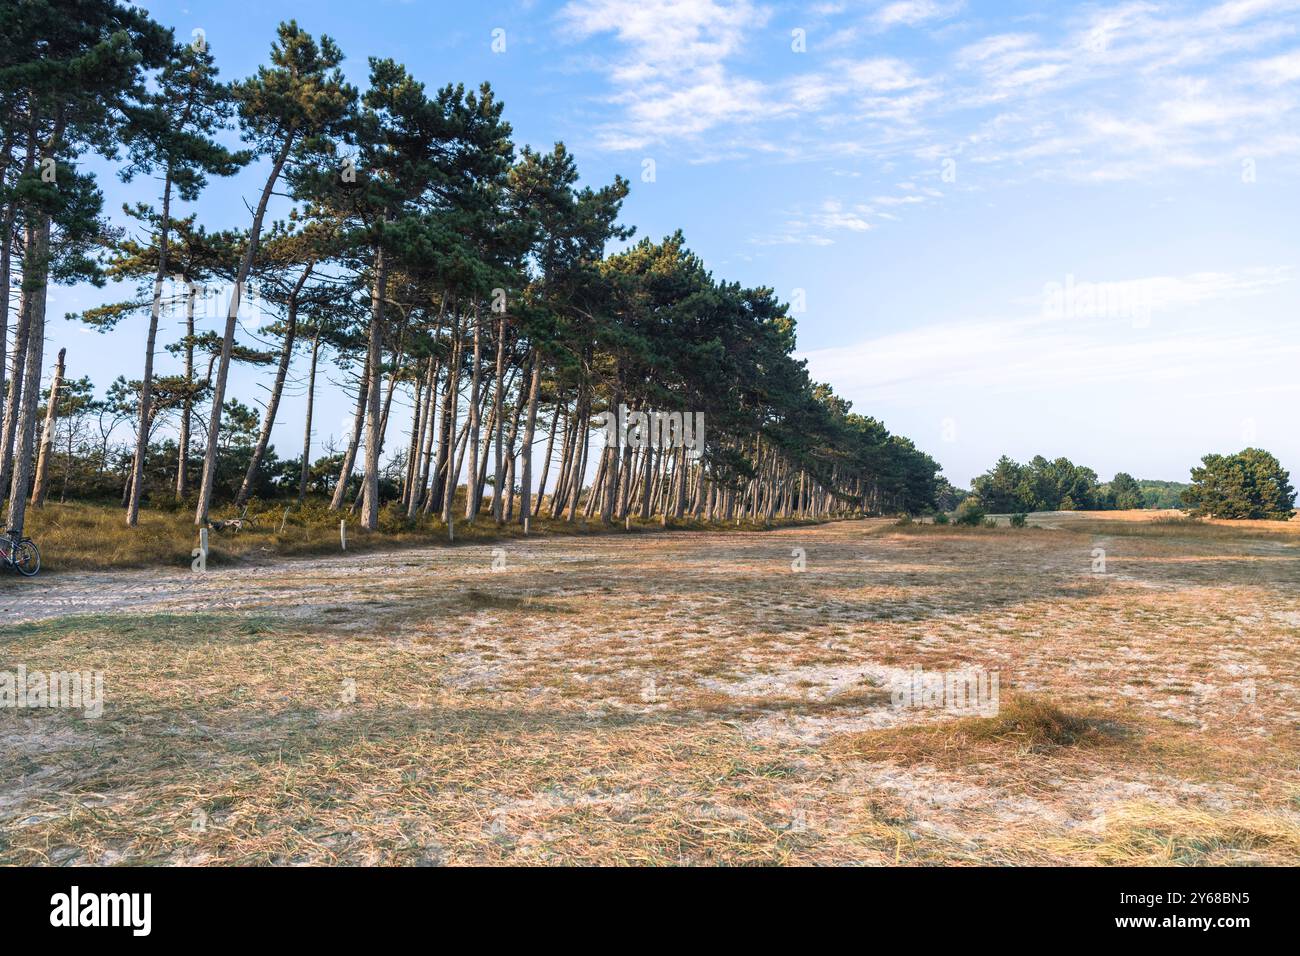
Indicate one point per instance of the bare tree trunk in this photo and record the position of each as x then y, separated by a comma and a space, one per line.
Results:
505, 484
419, 409
597, 490
34, 270
582, 441
425, 448
471, 489
277, 389
546, 463
208, 483
47, 434
383, 416
449, 427
151, 341
304, 476
498, 408
560, 496
526, 467
437, 466
187, 404
610, 457
374, 430
647, 480
20, 332
479, 478
350, 455
17, 366
6, 260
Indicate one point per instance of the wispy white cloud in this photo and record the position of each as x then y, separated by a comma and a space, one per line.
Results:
671, 80
913, 12
1049, 350
1056, 101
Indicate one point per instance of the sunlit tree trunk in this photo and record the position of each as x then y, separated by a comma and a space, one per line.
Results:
35, 270
47, 434
208, 483
304, 476
187, 403
151, 341
277, 389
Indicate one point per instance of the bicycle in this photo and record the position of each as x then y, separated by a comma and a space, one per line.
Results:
23, 556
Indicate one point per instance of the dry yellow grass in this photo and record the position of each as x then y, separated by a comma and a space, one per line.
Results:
664, 699
92, 537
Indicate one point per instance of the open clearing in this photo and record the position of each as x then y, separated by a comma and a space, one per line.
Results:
674, 698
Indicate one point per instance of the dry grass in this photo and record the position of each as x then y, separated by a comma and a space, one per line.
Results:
94, 537
1163, 523
1024, 724
1142, 834
664, 699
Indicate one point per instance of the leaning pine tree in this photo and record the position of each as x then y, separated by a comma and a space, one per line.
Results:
285, 107
170, 136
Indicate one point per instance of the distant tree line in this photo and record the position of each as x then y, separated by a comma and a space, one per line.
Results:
1249, 484
1059, 485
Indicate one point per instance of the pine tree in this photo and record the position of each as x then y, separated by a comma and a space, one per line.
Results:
1249, 484
72, 69
170, 135
290, 105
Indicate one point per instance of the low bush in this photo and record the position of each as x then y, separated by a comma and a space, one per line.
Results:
969, 513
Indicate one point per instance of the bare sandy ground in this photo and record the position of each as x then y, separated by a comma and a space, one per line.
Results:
670, 698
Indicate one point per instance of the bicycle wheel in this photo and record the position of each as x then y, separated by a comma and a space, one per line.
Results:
27, 559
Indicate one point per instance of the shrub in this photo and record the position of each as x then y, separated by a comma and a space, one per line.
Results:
969, 513
1019, 520
941, 518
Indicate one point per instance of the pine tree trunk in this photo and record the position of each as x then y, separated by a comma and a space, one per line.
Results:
6, 260
472, 492
374, 425
582, 442
187, 404
447, 451
47, 434
304, 476
610, 460
22, 333
498, 407
560, 495
418, 411
506, 482
151, 341
277, 389
526, 466
546, 464
35, 268
350, 455
438, 479
208, 483
426, 442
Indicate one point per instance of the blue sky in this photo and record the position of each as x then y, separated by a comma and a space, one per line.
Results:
1012, 227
